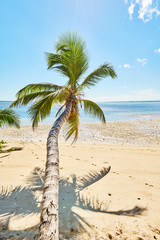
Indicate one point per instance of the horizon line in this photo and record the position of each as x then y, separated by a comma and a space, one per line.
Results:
106, 101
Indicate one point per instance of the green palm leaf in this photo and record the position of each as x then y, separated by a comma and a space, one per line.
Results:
37, 87
72, 127
56, 61
42, 107
60, 110
30, 97
9, 117
104, 70
72, 50
93, 109
35, 91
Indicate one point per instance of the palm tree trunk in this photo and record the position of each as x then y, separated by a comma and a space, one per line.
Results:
48, 229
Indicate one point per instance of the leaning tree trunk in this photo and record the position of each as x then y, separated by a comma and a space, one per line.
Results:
48, 229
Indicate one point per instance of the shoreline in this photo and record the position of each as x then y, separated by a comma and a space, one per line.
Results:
134, 132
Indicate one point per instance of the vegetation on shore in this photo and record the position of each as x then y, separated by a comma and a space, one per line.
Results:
8, 117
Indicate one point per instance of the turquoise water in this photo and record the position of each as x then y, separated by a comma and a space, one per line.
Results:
114, 111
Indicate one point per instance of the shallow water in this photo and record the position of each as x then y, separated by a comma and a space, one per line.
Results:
114, 111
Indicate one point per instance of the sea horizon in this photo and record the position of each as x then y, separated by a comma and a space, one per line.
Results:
113, 110
105, 101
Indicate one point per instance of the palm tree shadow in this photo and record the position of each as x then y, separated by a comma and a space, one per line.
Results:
70, 196
15, 201
18, 202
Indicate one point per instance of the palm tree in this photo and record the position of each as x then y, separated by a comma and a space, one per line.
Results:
71, 61
9, 117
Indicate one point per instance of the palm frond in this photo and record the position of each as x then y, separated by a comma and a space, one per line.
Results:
37, 87
53, 59
72, 127
42, 107
35, 91
69, 41
57, 61
24, 100
93, 109
72, 50
9, 117
60, 110
105, 70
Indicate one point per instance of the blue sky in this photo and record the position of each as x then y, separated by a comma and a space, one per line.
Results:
125, 33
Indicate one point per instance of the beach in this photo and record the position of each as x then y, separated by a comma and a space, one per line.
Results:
94, 203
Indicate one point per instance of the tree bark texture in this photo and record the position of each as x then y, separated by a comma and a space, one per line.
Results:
48, 229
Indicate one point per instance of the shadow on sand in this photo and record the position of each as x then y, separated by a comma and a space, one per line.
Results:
70, 196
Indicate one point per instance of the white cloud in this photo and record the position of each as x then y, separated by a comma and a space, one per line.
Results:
146, 8
157, 50
131, 10
143, 61
126, 65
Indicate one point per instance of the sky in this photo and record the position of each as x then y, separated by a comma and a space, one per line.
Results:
125, 33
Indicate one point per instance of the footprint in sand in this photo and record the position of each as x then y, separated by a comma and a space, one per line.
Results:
131, 177
149, 185
115, 172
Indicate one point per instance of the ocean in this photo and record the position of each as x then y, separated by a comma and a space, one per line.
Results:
114, 111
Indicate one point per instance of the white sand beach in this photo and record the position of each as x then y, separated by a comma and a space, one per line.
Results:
122, 204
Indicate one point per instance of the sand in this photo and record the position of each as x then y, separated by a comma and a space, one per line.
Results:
94, 204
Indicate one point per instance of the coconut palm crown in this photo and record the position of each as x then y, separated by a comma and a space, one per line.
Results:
71, 61
9, 117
